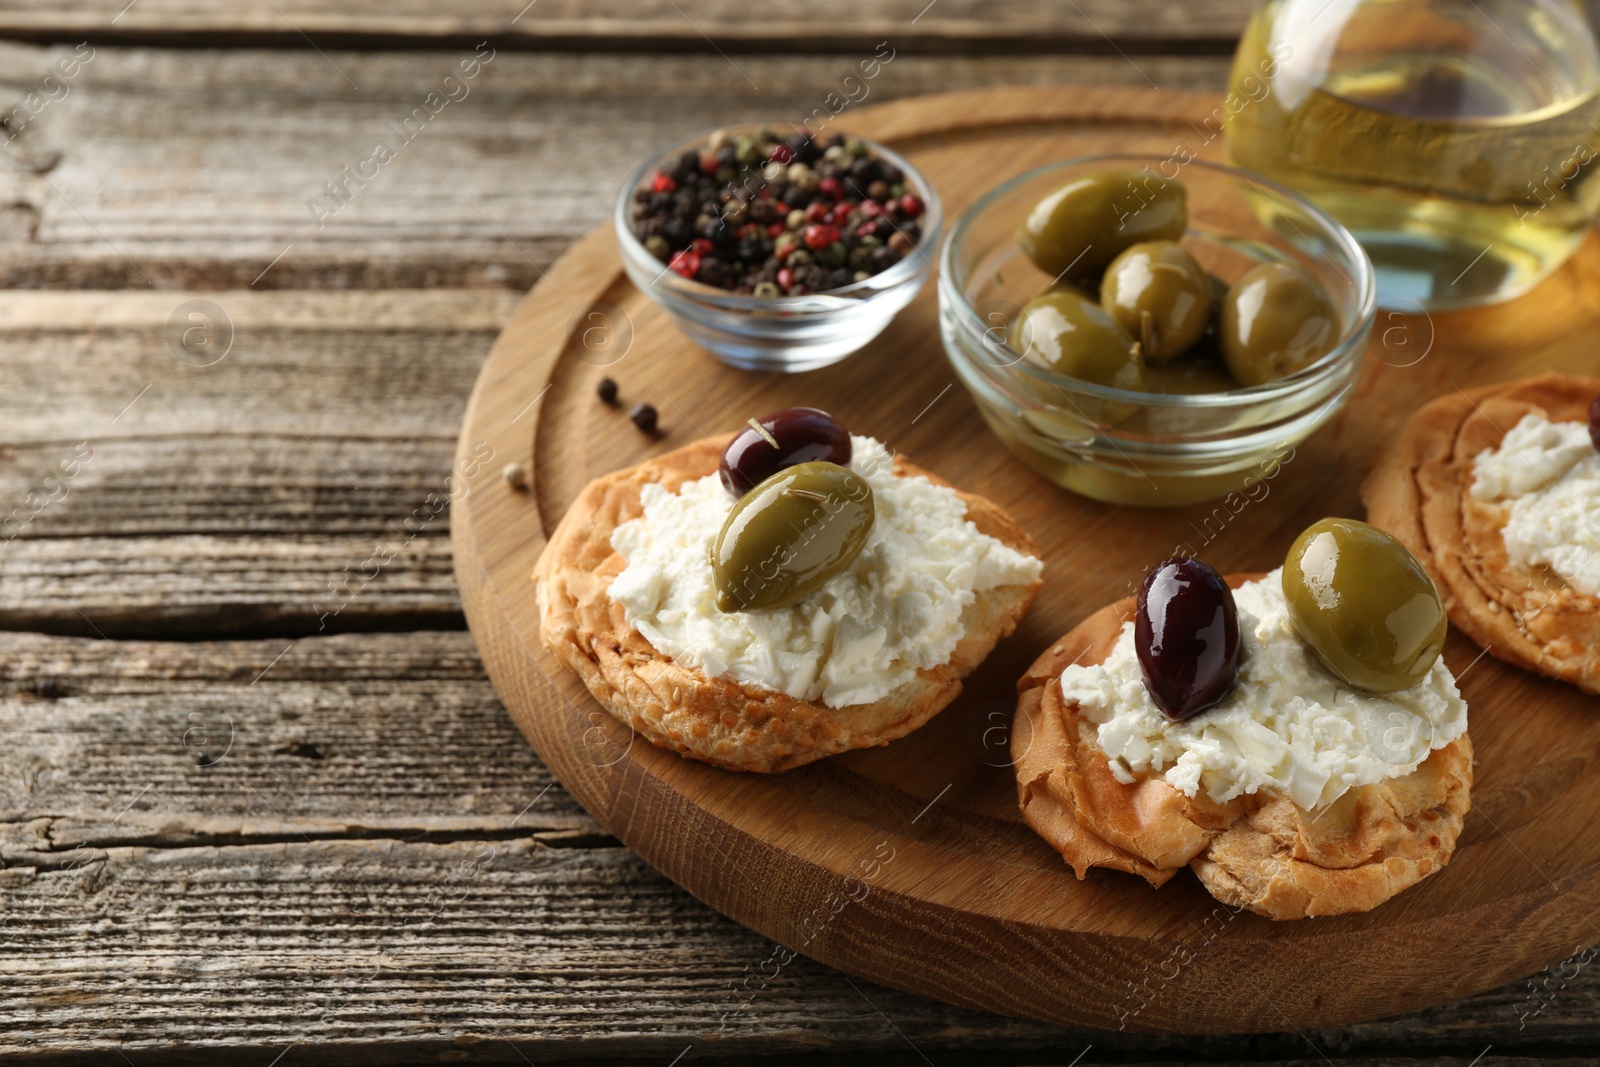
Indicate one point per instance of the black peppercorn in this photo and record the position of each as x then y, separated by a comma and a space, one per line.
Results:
779, 209
644, 417
711, 271
814, 277
804, 148
677, 231
607, 390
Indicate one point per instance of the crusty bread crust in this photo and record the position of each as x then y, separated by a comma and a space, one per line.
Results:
1258, 851
1419, 491
717, 720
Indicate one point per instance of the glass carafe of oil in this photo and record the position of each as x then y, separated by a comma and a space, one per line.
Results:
1459, 140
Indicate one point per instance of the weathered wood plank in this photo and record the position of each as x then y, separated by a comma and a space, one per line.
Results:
199, 169
198, 586
300, 484
696, 24
384, 365
420, 947
377, 866
376, 735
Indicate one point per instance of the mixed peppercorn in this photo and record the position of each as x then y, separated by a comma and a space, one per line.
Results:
775, 216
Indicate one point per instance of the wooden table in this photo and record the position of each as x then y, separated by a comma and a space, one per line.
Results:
258, 799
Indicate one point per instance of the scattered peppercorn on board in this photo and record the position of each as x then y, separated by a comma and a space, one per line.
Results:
909, 864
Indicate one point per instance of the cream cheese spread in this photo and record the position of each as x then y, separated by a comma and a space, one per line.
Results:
1289, 726
1547, 476
895, 610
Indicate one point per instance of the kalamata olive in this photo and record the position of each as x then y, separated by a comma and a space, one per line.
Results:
1594, 422
1275, 320
785, 538
782, 439
1186, 633
1364, 605
1069, 332
1158, 293
1083, 225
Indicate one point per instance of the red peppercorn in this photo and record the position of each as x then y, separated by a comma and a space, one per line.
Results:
686, 263
841, 211
701, 246
831, 187
785, 279
910, 206
866, 229
662, 183
709, 163
777, 229
820, 235
781, 153
817, 212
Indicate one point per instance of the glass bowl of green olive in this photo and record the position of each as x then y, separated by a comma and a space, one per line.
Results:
1148, 331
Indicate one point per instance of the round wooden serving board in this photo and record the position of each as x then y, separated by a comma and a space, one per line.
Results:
909, 865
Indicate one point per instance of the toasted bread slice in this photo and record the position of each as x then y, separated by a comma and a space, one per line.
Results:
1420, 491
718, 720
1259, 851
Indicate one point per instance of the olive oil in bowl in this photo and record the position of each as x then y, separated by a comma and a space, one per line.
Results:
1459, 140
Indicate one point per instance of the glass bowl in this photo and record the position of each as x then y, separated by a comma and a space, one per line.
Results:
1150, 448
782, 333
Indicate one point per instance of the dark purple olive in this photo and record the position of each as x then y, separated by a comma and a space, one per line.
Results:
779, 440
1187, 636
1594, 422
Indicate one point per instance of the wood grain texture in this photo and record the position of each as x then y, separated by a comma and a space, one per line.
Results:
702, 25
486, 194
780, 852
298, 485
202, 923
448, 951
378, 868
370, 735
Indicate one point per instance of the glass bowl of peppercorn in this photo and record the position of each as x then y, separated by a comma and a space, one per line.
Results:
777, 249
